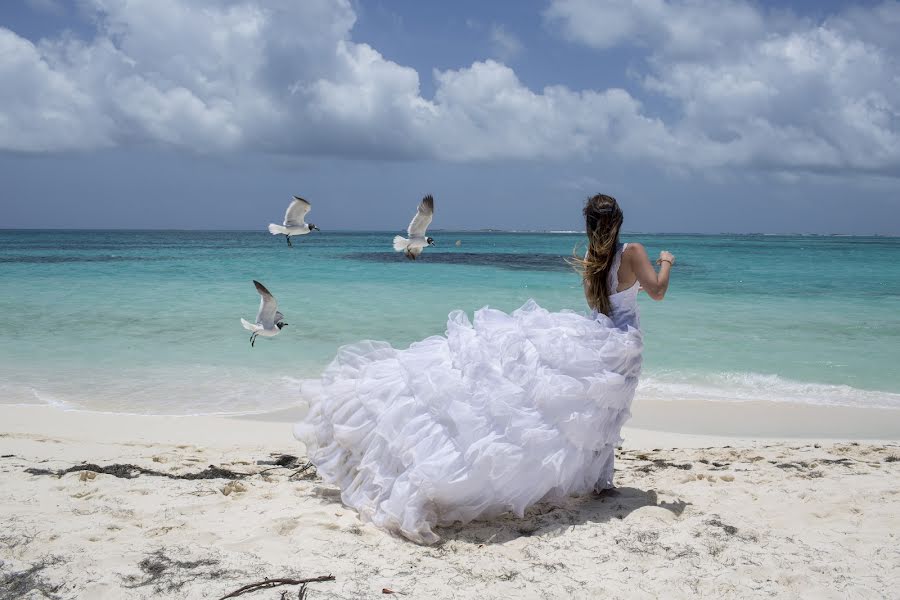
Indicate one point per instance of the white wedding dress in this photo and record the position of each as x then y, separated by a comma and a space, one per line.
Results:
501, 413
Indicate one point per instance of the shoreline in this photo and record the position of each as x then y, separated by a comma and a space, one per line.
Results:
764, 419
723, 421
679, 421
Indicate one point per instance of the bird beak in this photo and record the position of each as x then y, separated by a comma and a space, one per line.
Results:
316, 228
431, 243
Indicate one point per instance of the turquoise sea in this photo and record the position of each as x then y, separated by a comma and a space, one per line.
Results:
148, 321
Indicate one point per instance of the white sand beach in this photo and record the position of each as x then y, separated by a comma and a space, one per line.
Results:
769, 512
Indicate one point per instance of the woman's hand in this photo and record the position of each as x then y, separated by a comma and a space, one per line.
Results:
666, 256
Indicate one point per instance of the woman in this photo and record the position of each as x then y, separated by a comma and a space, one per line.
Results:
503, 412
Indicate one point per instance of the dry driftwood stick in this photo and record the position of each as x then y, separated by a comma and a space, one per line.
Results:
270, 583
302, 470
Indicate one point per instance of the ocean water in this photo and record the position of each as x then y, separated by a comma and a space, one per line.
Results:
148, 322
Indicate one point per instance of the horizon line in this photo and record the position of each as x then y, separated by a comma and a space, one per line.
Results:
481, 230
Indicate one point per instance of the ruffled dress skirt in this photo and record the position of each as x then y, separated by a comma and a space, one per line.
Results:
499, 414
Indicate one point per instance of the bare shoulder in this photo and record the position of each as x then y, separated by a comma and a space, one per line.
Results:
635, 250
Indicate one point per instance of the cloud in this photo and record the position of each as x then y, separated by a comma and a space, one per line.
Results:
281, 77
504, 44
750, 89
764, 91
680, 26
43, 108
485, 112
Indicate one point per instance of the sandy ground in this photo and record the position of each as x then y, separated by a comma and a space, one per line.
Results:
693, 516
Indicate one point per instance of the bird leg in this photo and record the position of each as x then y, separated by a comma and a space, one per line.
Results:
288, 238
253, 340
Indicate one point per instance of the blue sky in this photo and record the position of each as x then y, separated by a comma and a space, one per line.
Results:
699, 115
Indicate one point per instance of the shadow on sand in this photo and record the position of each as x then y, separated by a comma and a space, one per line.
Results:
543, 519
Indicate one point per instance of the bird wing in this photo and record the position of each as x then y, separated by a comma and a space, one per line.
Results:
296, 212
268, 306
422, 220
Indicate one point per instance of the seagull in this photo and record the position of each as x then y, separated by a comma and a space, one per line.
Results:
268, 320
293, 220
417, 241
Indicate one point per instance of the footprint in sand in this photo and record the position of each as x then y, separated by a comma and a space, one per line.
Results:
85, 495
159, 531
235, 487
710, 477
326, 492
285, 526
650, 514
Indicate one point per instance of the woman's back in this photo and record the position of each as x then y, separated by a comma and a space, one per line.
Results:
630, 272
623, 296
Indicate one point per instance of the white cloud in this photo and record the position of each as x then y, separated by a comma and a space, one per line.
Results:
505, 44
284, 76
759, 90
486, 112
680, 26
42, 108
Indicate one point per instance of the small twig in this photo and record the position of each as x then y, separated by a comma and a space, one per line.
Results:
301, 593
302, 470
270, 583
269, 469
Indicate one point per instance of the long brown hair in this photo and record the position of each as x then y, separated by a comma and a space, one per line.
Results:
602, 220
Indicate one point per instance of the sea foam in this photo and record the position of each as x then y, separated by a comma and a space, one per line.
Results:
746, 387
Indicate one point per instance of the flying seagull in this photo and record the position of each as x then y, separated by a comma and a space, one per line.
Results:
268, 320
417, 241
294, 223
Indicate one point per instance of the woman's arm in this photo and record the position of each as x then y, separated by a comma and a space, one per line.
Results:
655, 284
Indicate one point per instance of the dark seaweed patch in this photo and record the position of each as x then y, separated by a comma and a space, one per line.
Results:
128, 471
502, 260
19, 584
166, 574
50, 260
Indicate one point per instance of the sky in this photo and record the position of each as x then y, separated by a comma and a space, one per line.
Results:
698, 115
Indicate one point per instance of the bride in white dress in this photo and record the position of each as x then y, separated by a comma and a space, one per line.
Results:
501, 413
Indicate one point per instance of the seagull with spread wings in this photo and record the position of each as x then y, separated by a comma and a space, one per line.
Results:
268, 320
417, 241
294, 220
